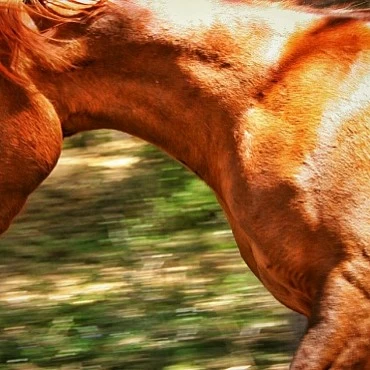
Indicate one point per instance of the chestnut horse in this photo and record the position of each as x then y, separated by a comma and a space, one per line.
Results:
268, 104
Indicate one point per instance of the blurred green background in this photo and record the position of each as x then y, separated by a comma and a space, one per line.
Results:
123, 260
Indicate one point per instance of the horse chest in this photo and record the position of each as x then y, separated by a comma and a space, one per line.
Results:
274, 239
278, 264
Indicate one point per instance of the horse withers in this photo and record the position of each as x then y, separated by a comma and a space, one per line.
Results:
268, 104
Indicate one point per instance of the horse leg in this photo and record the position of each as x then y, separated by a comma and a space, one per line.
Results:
338, 336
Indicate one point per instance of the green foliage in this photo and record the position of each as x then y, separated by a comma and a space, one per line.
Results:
123, 260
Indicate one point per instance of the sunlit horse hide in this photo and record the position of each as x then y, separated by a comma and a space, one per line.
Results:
268, 104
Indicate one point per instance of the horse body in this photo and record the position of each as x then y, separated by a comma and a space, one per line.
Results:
267, 105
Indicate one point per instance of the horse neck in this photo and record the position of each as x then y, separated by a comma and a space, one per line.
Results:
183, 88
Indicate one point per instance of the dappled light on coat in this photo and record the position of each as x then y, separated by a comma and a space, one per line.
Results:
273, 116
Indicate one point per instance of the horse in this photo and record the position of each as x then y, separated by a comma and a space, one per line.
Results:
269, 104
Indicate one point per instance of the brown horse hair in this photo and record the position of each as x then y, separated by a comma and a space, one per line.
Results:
340, 10
19, 36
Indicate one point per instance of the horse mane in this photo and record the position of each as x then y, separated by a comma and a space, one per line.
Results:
331, 8
20, 37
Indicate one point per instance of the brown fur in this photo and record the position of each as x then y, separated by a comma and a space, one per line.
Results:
269, 106
20, 38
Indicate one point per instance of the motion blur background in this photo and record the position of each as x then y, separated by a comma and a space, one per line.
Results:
123, 260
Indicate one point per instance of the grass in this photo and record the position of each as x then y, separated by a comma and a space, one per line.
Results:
123, 260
